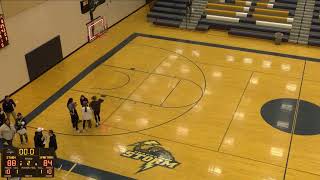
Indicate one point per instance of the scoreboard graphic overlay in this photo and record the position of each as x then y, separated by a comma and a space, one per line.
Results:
27, 162
4, 40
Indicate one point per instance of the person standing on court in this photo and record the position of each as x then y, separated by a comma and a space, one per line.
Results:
21, 128
96, 106
86, 116
83, 101
8, 107
2, 116
53, 143
39, 139
73, 113
7, 132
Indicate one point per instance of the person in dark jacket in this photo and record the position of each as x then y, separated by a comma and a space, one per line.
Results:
39, 139
83, 101
53, 143
96, 106
8, 107
2, 116
73, 113
21, 128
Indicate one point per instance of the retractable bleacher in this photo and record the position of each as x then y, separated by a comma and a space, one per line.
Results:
252, 18
168, 12
314, 35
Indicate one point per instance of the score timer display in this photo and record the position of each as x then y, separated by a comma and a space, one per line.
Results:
27, 162
4, 41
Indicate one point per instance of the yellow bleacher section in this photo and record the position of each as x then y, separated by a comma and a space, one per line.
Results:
240, 8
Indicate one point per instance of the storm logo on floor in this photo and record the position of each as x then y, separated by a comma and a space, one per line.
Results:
152, 154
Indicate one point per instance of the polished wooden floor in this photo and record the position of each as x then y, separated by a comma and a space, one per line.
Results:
201, 103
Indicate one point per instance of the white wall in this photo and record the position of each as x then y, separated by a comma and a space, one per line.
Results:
14, 7
117, 9
37, 25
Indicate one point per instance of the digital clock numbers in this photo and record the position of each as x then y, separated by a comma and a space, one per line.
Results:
4, 41
27, 162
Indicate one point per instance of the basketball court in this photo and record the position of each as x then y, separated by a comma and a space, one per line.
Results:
182, 105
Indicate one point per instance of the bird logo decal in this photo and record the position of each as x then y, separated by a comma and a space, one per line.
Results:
152, 154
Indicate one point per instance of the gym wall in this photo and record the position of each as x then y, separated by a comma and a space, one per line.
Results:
118, 9
36, 25
14, 7
1, 11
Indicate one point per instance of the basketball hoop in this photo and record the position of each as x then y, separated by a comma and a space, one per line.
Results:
96, 28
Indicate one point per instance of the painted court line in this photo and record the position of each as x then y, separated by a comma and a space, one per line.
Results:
75, 164
230, 47
101, 174
87, 171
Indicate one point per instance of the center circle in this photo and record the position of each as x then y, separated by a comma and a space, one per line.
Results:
280, 114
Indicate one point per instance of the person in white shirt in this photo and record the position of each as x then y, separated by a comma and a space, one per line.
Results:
87, 115
7, 132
